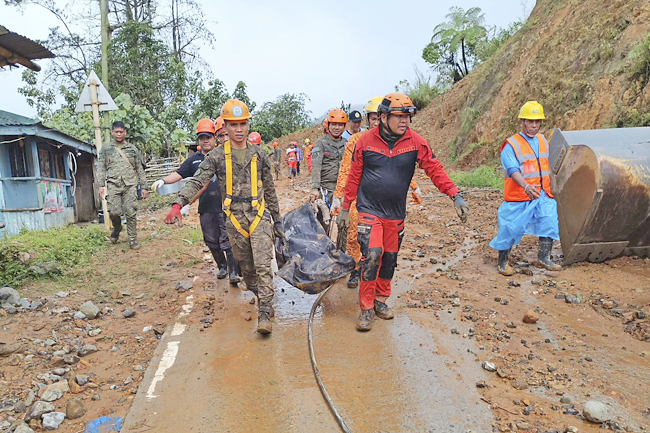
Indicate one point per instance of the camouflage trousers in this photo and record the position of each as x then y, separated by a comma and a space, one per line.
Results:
254, 255
122, 200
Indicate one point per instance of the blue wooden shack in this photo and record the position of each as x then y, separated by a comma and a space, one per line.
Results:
46, 177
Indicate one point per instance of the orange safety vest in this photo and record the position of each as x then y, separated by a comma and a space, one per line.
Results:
535, 170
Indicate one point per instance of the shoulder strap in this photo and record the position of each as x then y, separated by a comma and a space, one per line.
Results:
124, 156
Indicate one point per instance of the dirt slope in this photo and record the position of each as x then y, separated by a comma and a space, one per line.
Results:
572, 55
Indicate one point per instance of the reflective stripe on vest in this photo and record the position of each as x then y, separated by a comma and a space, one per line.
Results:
535, 170
254, 199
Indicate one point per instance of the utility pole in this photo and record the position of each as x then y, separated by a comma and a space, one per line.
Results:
103, 7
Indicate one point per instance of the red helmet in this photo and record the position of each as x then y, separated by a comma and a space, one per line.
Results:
255, 138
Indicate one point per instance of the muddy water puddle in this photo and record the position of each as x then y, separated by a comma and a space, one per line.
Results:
292, 305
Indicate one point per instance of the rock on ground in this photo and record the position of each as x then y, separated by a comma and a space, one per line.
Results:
37, 410
52, 395
595, 411
184, 286
9, 296
531, 317
23, 428
89, 310
75, 409
52, 420
87, 350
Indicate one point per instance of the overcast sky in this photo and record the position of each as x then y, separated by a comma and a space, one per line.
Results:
360, 50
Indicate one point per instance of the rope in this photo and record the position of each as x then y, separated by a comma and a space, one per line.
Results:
314, 365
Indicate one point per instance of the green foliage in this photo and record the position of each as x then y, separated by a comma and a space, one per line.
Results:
482, 177
140, 125
422, 91
240, 93
283, 116
210, 100
69, 247
640, 57
494, 40
35, 96
77, 125
452, 50
630, 118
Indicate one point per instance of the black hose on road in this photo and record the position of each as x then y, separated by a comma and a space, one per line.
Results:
314, 365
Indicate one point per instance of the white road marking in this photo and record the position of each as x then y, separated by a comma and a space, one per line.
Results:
166, 362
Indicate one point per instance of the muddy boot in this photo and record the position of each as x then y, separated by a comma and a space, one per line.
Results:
134, 245
117, 228
382, 311
233, 268
353, 282
544, 255
504, 267
364, 322
220, 259
264, 325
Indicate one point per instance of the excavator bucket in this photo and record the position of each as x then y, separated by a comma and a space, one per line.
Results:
601, 181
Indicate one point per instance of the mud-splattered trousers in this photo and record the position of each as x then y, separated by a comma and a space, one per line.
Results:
255, 253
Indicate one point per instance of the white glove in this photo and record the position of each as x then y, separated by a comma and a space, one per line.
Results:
185, 211
336, 203
157, 184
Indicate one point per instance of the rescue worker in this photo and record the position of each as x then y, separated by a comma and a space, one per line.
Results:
249, 201
120, 165
211, 216
308, 147
354, 127
326, 159
351, 245
529, 206
277, 159
292, 159
220, 128
325, 129
383, 164
255, 138
299, 158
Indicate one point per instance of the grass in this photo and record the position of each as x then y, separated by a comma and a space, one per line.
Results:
482, 177
69, 247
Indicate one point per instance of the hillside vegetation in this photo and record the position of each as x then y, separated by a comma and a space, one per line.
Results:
586, 61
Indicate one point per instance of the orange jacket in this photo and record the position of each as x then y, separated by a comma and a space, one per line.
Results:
535, 170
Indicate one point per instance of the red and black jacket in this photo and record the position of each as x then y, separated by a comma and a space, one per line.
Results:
380, 176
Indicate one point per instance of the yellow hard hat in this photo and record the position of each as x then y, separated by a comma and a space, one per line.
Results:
307, 140
532, 110
373, 105
234, 109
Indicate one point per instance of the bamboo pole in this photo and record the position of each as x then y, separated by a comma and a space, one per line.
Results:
94, 88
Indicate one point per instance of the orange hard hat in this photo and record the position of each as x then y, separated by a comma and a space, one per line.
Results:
205, 125
199, 147
397, 103
234, 109
276, 144
337, 116
219, 123
255, 138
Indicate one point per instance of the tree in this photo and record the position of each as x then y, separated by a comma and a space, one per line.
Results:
240, 93
283, 116
452, 50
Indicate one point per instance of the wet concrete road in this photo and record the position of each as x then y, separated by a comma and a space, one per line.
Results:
399, 377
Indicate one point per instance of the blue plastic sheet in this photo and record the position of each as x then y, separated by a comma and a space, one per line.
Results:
535, 217
104, 424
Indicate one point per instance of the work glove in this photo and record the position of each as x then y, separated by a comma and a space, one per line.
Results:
278, 230
174, 215
344, 217
417, 195
314, 195
335, 209
461, 207
157, 184
185, 211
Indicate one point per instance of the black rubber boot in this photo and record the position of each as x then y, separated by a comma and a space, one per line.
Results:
504, 267
220, 258
544, 255
353, 282
233, 268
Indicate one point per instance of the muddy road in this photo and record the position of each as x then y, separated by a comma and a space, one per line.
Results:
210, 372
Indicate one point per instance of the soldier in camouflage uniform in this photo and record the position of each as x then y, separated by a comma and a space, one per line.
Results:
252, 241
121, 167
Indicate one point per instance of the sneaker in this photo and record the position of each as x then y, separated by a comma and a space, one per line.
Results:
364, 322
382, 311
353, 282
264, 325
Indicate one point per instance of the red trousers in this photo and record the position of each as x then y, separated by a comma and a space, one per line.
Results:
380, 240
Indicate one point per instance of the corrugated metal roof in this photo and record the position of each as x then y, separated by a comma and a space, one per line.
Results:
12, 119
21, 46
